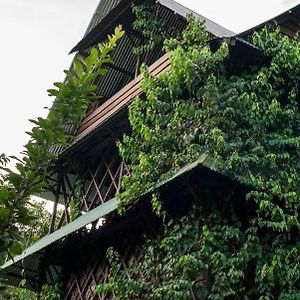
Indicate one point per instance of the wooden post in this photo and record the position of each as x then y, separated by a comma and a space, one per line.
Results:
56, 195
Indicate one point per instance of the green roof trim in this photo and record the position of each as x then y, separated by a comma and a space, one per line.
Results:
93, 215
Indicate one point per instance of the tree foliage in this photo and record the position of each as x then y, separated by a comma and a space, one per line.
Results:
29, 234
249, 125
48, 292
35, 169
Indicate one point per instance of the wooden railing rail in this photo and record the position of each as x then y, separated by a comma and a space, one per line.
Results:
119, 100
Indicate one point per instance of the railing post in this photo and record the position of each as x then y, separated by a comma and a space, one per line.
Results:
55, 204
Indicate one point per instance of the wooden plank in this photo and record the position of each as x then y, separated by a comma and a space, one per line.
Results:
119, 100
154, 69
111, 103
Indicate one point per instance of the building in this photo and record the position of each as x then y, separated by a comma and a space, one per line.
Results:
72, 253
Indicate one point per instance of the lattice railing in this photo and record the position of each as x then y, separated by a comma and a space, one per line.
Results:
91, 188
93, 270
82, 281
103, 183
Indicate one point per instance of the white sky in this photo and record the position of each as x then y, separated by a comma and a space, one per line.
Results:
239, 15
36, 36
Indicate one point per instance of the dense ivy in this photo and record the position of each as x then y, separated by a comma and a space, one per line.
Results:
204, 256
249, 125
153, 28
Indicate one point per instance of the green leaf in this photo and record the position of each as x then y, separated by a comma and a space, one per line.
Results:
92, 59
20, 168
60, 85
3, 194
78, 68
16, 248
102, 72
4, 213
26, 220
15, 180
52, 92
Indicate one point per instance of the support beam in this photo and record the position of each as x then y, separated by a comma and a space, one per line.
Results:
119, 69
55, 204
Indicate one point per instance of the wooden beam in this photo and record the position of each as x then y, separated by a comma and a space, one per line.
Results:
119, 100
55, 204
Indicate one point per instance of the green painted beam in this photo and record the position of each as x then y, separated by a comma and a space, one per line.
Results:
93, 215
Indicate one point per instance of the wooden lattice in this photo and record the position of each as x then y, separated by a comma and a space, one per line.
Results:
94, 270
82, 280
98, 184
88, 266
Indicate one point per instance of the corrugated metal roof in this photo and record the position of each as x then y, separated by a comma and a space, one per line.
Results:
104, 8
115, 79
99, 31
184, 10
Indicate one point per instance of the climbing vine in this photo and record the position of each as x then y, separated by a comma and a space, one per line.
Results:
35, 169
153, 28
248, 124
205, 255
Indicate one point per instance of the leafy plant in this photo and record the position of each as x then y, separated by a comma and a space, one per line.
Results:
48, 292
151, 25
36, 169
248, 124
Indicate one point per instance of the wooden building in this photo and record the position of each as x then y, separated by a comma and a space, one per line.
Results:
73, 252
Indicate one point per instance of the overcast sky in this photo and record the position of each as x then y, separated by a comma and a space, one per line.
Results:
239, 15
36, 36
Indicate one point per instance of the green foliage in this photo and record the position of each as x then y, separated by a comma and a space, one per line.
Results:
205, 255
36, 226
249, 125
33, 171
165, 126
76, 199
29, 234
48, 292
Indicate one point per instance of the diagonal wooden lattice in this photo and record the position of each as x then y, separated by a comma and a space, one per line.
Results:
81, 282
94, 270
100, 183
90, 268
103, 182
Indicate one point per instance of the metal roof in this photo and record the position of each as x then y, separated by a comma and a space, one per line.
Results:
107, 23
181, 8
103, 9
